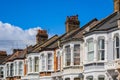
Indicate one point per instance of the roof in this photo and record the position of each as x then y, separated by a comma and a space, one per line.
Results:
78, 33
74, 35
107, 24
38, 47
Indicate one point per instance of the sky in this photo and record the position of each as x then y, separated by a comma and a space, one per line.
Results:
20, 19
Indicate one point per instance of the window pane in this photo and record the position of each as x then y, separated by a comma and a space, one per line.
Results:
90, 56
117, 42
67, 55
101, 55
90, 46
43, 61
101, 44
101, 79
36, 64
117, 51
20, 68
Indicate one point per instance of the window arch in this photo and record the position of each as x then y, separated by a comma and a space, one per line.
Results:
101, 77
77, 78
67, 78
89, 77
101, 48
116, 46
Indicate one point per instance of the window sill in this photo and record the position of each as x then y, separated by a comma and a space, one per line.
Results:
95, 62
74, 66
30, 73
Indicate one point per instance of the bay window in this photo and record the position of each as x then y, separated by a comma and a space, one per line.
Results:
20, 68
49, 61
43, 62
76, 54
90, 50
101, 49
36, 64
67, 55
116, 43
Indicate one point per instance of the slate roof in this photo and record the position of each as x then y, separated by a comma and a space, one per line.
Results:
75, 34
108, 23
38, 47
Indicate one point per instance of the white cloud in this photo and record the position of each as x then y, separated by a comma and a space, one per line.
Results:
15, 37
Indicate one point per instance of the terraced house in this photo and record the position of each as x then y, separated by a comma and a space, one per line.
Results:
89, 52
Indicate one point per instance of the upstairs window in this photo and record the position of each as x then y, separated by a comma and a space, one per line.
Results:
67, 55
101, 49
90, 50
36, 64
20, 68
50, 61
58, 60
117, 47
1, 72
15, 65
30, 64
11, 69
7, 69
77, 54
43, 62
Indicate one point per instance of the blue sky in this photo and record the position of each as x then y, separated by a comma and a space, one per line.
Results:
51, 14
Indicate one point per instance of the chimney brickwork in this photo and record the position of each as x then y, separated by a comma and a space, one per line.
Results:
41, 36
116, 5
72, 23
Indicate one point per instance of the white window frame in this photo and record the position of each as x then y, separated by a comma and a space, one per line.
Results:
30, 64
59, 60
76, 52
20, 68
100, 49
36, 68
49, 59
117, 47
43, 62
91, 51
67, 55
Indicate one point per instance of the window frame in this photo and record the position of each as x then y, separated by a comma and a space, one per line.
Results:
78, 54
117, 46
49, 59
43, 62
36, 65
67, 55
20, 68
101, 49
91, 51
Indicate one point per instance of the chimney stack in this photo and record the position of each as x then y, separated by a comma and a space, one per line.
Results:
116, 5
72, 23
41, 36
